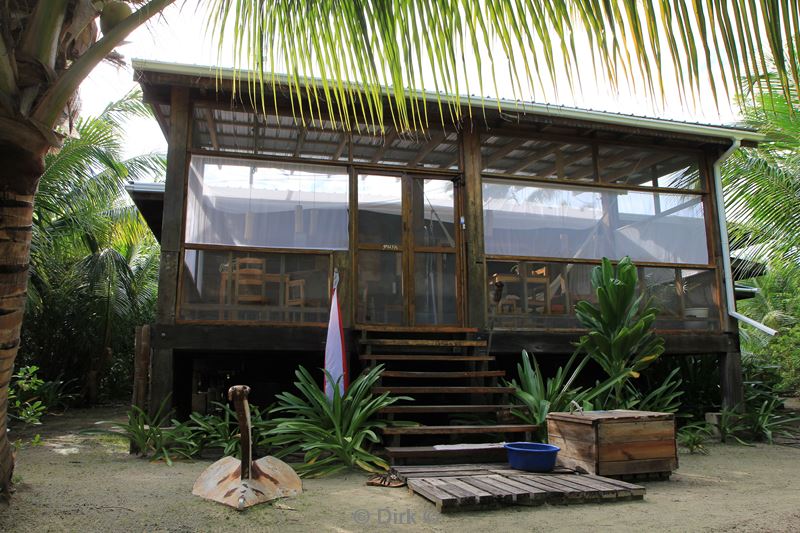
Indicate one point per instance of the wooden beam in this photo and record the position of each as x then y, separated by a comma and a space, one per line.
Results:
533, 158
435, 140
342, 145
730, 372
388, 139
174, 201
212, 127
163, 121
179, 142
301, 139
504, 150
549, 342
574, 156
240, 337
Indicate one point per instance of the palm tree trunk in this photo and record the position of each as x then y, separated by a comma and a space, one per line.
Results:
20, 170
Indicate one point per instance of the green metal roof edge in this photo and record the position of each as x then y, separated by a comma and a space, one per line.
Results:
605, 117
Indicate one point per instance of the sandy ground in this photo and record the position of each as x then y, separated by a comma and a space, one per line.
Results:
74, 482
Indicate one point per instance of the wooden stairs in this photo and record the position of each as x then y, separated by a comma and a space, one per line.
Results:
462, 410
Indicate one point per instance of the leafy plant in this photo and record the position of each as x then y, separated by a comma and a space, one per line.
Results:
24, 403
765, 421
694, 436
762, 406
56, 394
731, 426
220, 429
620, 333
540, 396
663, 399
149, 436
333, 434
784, 351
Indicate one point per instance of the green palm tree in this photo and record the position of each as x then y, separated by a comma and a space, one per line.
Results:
762, 185
48, 48
94, 263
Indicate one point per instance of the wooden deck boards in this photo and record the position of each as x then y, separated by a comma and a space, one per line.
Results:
485, 486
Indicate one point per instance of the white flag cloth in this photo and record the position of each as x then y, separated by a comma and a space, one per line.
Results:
335, 361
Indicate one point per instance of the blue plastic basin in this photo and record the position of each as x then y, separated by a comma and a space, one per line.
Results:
532, 456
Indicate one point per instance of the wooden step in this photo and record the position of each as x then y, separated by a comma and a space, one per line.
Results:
431, 454
482, 408
444, 390
459, 430
444, 375
428, 357
414, 329
447, 343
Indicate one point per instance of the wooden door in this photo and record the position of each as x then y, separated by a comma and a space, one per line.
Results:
407, 251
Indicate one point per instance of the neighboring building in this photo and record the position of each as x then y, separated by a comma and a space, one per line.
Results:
258, 212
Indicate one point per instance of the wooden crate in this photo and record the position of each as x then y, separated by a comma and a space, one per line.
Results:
615, 443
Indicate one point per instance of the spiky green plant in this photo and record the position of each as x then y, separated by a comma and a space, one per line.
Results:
333, 434
620, 333
693, 437
541, 396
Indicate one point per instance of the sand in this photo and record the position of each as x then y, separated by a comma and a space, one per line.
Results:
75, 482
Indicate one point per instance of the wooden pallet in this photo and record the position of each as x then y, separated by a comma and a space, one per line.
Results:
470, 487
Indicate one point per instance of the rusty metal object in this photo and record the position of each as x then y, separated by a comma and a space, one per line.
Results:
241, 484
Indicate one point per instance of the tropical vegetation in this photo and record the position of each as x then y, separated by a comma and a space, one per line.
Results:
328, 435
620, 341
94, 262
620, 325
48, 48
333, 434
762, 192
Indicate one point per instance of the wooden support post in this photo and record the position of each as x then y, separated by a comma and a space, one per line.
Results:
730, 373
174, 201
475, 267
171, 237
141, 371
141, 367
162, 380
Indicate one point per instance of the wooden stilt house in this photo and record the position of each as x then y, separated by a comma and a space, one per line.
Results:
444, 240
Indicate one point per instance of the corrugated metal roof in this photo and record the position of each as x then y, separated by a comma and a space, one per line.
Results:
506, 105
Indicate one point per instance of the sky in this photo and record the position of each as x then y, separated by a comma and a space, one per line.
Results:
178, 35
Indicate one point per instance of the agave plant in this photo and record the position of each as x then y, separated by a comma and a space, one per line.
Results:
620, 325
334, 434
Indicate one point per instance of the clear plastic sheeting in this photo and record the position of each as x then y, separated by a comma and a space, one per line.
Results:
649, 167
541, 294
238, 286
240, 202
576, 222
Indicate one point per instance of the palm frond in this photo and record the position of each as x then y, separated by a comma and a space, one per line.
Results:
398, 47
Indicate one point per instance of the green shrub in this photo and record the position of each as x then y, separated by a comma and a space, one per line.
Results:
784, 351
30, 397
334, 435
